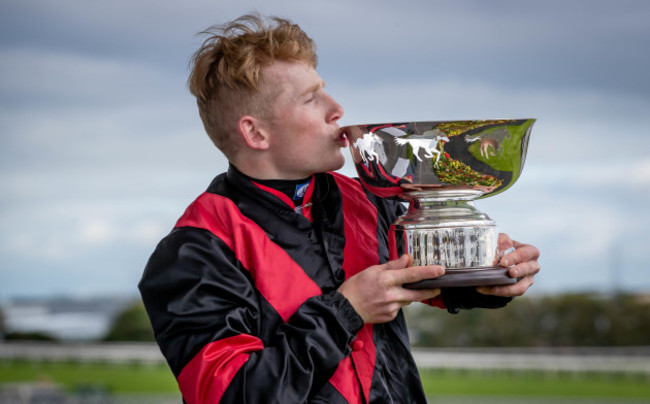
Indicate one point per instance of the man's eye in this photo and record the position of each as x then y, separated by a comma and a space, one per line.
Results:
312, 97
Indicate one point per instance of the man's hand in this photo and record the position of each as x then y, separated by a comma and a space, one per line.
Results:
376, 293
521, 259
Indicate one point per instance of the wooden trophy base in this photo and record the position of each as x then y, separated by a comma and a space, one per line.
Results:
466, 277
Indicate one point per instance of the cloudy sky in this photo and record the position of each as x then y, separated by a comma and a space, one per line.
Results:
101, 147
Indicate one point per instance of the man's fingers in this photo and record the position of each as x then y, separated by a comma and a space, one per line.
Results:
415, 274
504, 243
504, 247
522, 253
524, 269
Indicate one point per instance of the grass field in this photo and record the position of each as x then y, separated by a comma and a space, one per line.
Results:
535, 384
73, 376
130, 379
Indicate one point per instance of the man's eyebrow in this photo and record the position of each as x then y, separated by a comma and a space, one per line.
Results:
314, 88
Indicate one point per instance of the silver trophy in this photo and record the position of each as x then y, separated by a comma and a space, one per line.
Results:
440, 168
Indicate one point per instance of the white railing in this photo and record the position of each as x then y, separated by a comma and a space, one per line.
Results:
618, 360
147, 353
605, 359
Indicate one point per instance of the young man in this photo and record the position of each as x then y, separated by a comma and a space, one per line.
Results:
275, 285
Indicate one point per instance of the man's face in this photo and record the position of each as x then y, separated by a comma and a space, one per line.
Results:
304, 133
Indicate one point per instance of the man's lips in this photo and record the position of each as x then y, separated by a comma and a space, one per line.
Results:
342, 139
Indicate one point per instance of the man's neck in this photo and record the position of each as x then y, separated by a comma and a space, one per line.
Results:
256, 169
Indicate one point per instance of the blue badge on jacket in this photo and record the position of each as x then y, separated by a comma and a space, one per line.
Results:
301, 189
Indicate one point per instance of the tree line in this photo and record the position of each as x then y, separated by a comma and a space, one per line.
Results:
573, 320
577, 319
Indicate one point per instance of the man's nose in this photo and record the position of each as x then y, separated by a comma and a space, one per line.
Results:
336, 111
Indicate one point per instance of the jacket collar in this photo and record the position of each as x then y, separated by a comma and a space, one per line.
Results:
271, 197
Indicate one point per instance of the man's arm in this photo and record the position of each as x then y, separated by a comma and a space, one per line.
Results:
224, 341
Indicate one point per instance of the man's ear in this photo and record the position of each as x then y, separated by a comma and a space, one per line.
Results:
252, 133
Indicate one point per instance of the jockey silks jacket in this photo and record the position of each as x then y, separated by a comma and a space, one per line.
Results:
242, 297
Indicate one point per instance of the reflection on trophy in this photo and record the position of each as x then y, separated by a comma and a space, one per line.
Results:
440, 168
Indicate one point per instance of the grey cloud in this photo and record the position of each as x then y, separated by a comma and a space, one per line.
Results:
579, 44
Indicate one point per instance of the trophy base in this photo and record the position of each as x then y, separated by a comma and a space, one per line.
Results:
457, 277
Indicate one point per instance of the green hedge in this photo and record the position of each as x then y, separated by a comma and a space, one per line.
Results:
555, 320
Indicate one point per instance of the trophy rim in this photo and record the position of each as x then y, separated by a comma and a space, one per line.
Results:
426, 122
419, 157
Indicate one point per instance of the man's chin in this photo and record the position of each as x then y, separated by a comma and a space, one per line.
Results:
338, 165
334, 166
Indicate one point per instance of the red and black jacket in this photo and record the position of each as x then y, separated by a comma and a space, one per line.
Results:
242, 297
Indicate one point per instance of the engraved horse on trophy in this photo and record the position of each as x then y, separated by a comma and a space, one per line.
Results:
492, 140
366, 146
429, 146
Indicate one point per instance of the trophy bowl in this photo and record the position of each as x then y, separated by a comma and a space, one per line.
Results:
440, 168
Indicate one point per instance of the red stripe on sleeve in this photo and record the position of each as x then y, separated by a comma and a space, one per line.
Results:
364, 359
207, 376
281, 281
346, 383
